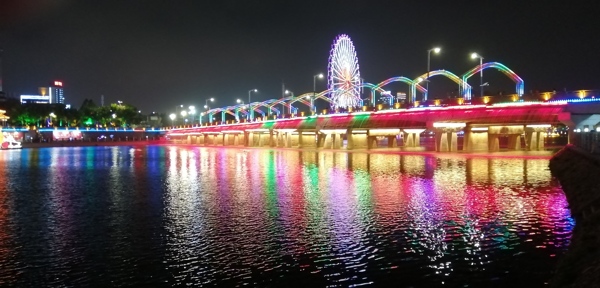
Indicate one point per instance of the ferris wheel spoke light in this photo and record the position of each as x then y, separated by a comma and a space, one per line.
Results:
343, 74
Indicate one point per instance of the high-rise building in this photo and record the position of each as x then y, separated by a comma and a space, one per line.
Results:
56, 93
48, 95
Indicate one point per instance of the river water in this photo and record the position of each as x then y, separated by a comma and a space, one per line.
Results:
158, 216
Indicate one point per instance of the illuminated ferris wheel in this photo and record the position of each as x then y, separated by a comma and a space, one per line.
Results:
344, 80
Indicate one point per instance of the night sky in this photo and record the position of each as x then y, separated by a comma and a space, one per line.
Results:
157, 55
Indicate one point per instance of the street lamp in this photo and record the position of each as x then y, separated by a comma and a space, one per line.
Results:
206, 103
435, 50
237, 110
183, 114
251, 114
207, 108
172, 116
312, 99
192, 112
473, 56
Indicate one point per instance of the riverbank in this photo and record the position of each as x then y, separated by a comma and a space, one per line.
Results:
578, 171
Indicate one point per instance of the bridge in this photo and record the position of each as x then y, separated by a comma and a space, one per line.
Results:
482, 126
350, 124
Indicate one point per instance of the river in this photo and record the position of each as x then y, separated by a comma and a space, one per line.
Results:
180, 215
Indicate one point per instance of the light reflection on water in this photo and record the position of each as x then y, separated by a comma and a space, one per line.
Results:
161, 215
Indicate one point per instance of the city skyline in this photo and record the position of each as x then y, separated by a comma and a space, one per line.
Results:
158, 55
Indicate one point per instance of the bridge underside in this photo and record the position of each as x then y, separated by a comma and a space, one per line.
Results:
474, 138
470, 128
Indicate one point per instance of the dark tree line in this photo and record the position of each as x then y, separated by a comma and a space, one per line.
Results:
88, 115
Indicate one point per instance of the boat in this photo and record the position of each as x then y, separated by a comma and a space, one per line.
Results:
11, 145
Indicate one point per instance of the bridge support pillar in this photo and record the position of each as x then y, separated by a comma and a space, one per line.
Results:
228, 139
306, 139
250, 140
534, 138
392, 142
217, 139
513, 132
412, 137
476, 139
332, 141
262, 140
279, 139
357, 139
202, 139
514, 142
446, 140
371, 142
320, 137
272, 138
237, 139
188, 139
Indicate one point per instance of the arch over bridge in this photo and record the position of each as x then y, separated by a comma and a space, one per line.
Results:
520, 85
269, 107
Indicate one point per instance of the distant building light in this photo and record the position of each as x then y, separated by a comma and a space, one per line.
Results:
58, 83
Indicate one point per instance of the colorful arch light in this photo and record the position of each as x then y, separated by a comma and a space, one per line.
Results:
466, 88
520, 86
406, 80
344, 74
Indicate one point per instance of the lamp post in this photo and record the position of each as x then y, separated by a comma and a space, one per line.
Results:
283, 105
183, 117
172, 116
251, 114
208, 107
435, 50
312, 99
473, 56
237, 110
192, 112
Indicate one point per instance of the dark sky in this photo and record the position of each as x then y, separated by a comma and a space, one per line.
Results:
156, 55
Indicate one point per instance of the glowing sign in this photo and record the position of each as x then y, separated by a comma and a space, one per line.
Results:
58, 83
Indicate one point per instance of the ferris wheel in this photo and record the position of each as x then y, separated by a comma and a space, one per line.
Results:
344, 80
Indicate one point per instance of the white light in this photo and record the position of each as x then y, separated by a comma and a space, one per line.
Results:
385, 131
233, 132
437, 50
479, 129
448, 125
285, 130
539, 126
333, 131
416, 131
